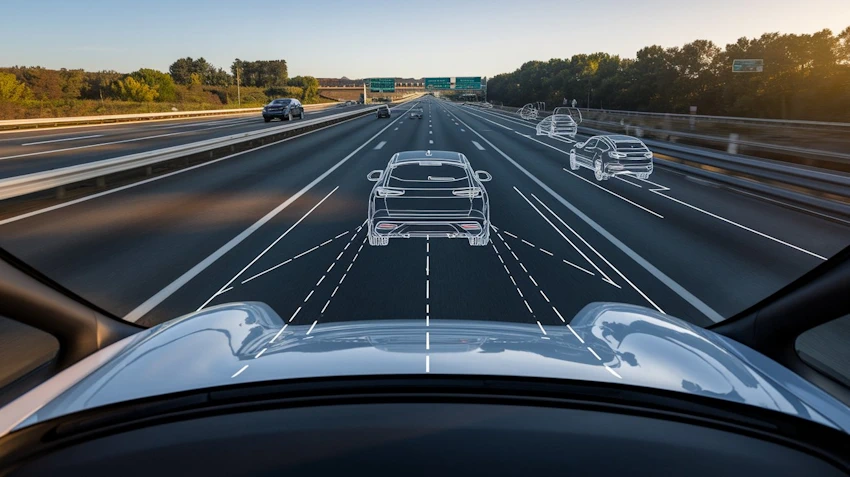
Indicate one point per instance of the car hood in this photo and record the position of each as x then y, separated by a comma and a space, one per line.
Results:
607, 342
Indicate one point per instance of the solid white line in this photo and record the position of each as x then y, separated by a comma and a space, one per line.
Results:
326, 242
380, 145
240, 371
528, 243
61, 140
479, 146
573, 331
612, 371
614, 194
279, 333
293, 315
169, 290
260, 353
563, 236
600, 256
580, 268
312, 326
620, 178
761, 234
541, 326
594, 353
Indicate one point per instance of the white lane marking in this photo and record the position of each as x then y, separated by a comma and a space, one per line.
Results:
463, 130
380, 145
166, 292
600, 255
528, 306
294, 314
736, 224
237, 373
181, 171
427, 340
574, 333
546, 252
477, 145
235, 277
594, 353
396, 129
61, 140
576, 266
540, 325
528, 243
227, 289
510, 234
614, 194
312, 326
325, 307
260, 353
612, 371
430, 141
649, 267
279, 333
308, 296
427, 363
544, 295
620, 178
559, 314
320, 280
604, 276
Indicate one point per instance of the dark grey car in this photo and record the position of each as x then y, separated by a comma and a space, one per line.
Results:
284, 108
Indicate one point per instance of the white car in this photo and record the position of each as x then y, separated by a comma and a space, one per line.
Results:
560, 124
612, 155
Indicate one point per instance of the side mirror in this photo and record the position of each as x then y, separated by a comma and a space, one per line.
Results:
581, 144
483, 176
375, 175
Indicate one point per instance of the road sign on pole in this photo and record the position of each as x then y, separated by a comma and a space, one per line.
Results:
473, 82
438, 83
747, 66
382, 85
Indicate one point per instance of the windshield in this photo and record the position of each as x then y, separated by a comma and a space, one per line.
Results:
143, 171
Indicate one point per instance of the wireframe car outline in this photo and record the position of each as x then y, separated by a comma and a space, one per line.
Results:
416, 113
561, 123
408, 201
611, 155
529, 111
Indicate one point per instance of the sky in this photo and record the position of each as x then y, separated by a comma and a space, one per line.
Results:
382, 38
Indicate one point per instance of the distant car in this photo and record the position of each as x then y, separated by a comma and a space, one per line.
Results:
383, 111
429, 194
560, 123
608, 156
287, 108
416, 113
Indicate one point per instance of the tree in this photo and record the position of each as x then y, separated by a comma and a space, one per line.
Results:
11, 89
263, 74
130, 89
185, 70
181, 70
309, 86
159, 82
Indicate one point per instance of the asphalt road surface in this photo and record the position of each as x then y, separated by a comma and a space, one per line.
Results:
25, 152
283, 225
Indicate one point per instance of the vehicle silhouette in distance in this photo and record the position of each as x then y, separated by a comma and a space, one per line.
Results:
429, 194
612, 155
416, 113
383, 111
283, 108
562, 123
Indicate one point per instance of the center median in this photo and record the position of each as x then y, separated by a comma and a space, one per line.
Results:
35, 191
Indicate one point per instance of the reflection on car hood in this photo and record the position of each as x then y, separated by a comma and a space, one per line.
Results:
617, 343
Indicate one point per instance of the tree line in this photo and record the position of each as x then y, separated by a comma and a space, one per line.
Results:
187, 80
805, 77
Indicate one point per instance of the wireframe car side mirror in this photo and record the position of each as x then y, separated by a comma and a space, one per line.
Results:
581, 144
375, 175
483, 176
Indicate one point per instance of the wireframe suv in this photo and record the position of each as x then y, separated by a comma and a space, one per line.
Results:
429, 194
560, 124
608, 156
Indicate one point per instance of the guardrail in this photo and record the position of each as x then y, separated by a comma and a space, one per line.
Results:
96, 173
826, 191
19, 124
725, 119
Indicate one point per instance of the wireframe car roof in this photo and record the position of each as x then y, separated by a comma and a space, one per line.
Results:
444, 156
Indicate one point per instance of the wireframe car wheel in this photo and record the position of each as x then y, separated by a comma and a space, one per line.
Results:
479, 241
377, 241
573, 163
597, 171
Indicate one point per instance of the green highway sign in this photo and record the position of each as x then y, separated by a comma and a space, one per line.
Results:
382, 85
747, 66
468, 83
438, 83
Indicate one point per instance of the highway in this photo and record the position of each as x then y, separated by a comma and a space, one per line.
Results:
28, 151
283, 224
